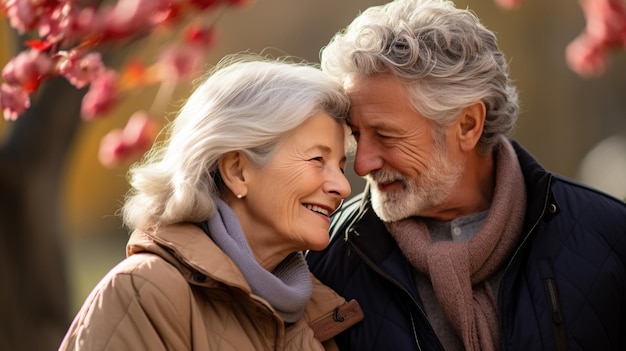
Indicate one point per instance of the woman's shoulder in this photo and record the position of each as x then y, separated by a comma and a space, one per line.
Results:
141, 293
148, 272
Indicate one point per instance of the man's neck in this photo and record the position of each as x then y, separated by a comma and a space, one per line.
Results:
472, 194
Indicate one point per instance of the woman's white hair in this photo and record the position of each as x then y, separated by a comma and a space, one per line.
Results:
248, 104
444, 56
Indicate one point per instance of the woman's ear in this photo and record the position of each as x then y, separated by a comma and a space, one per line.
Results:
232, 169
471, 125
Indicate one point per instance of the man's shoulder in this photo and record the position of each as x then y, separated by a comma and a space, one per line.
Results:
588, 195
595, 217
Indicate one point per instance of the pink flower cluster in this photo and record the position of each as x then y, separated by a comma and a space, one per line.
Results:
605, 32
68, 34
509, 4
23, 75
121, 145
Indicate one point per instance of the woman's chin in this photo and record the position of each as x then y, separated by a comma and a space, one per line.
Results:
319, 245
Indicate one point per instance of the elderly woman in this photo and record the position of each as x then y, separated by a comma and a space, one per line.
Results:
250, 172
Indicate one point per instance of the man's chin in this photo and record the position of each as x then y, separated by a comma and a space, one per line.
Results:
381, 212
384, 207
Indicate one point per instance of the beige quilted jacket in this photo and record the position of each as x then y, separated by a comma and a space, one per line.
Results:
177, 290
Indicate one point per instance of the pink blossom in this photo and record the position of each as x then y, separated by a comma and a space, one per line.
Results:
132, 17
120, 146
81, 69
605, 31
585, 57
23, 14
61, 35
179, 61
509, 4
204, 4
169, 13
83, 23
606, 21
66, 23
28, 69
14, 101
200, 36
102, 95
50, 25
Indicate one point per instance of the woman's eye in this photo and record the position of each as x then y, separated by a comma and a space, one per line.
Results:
318, 159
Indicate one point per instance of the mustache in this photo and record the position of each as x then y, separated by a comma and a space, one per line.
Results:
386, 176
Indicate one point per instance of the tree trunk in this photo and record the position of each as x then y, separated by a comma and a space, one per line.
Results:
34, 303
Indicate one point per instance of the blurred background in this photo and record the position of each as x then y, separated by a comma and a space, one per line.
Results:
574, 126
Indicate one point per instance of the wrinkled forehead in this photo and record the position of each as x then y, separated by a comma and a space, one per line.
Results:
375, 96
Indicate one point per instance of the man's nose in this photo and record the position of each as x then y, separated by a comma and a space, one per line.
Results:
367, 158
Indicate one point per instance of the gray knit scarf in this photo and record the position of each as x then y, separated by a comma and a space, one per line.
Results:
459, 271
287, 289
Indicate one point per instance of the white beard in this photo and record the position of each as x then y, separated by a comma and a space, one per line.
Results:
430, 189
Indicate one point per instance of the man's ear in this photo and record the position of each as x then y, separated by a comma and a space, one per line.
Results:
232, 167
471, 125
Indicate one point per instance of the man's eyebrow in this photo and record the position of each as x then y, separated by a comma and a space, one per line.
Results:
381, 125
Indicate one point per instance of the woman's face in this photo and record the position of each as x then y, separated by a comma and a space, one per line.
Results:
289, 200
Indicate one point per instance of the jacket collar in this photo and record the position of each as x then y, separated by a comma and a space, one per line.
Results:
538, 188
189, 248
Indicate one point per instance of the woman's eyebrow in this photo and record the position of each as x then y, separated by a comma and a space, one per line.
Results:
325, 149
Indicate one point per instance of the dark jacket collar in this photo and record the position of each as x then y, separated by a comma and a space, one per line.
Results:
538, 182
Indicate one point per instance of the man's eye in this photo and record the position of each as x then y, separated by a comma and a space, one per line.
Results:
318, 159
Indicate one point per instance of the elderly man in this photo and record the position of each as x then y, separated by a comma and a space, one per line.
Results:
461, 240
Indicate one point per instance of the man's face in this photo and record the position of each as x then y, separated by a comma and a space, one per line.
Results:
409, 172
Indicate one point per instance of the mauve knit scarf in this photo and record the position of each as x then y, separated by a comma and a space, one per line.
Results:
287, 289
459, 271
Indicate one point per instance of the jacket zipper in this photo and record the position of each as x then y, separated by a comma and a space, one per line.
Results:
557, 317
394, 282
516, 252
532, 229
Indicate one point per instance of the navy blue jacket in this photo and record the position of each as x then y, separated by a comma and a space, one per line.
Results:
564, 288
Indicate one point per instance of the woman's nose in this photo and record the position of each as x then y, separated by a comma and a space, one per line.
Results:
338, 184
